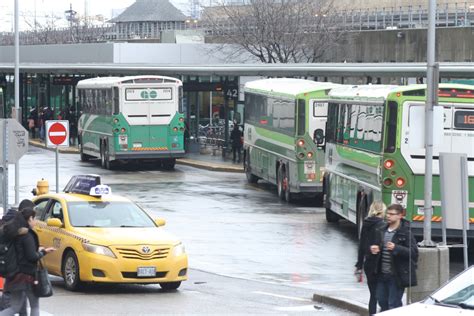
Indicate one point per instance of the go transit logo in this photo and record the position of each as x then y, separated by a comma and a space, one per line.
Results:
148, 94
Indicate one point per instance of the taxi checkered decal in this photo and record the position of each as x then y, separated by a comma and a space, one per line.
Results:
61, 231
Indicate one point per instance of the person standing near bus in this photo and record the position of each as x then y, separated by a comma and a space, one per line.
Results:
396, 255
365, 260
236, 138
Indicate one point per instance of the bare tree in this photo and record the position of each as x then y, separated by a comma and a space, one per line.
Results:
276, 31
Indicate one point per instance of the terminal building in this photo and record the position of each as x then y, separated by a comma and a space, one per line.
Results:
153, 33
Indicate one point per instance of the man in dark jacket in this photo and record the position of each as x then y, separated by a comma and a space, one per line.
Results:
396, 255
236, 138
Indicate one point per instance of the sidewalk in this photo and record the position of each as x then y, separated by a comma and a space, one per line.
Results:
203, 161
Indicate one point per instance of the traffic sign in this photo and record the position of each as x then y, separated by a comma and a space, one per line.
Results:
57, 133
16, 139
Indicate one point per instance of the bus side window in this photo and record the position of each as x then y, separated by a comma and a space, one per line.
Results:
116, 101
301, 114
391, 139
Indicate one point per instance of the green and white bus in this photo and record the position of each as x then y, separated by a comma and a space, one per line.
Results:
281, 116
131, 118
375, 148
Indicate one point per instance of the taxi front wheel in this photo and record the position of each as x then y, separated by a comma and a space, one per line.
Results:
168, 286
71, 272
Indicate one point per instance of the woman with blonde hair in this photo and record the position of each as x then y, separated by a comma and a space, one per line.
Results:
365, 259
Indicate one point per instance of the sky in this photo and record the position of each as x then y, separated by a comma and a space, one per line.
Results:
54, 10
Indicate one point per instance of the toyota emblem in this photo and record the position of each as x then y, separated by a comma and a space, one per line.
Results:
146, 249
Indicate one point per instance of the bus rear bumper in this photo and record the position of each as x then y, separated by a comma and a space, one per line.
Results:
128, 155
310, 187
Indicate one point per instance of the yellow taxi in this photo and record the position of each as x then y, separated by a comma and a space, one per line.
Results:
101, 237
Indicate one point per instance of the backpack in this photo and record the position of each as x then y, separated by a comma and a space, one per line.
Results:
8, 257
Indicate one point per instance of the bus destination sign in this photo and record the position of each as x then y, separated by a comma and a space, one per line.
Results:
464, 119
148, 94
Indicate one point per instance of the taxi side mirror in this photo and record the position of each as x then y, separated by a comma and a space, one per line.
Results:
160, 222
54, 222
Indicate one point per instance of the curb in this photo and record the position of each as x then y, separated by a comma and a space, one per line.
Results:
187, 162
202, 165
67, 150
342, 303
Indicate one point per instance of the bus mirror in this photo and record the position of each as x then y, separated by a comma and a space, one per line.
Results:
319, 136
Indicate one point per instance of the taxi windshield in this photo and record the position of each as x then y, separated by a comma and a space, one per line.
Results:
108, 214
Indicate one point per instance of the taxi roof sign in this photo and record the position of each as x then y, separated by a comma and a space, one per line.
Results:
100, 190
82, 184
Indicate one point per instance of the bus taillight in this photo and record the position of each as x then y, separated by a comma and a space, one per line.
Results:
123, 130
400, 182
300, 142
387, 182
116, 121
181, 119
175, 129
310, 155
388, 164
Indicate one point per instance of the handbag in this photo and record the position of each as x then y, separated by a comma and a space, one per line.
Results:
42, 286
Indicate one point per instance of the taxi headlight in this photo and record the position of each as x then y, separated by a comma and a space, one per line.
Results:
100, 250
178, 250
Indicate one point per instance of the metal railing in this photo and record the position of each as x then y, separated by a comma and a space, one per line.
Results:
447, 15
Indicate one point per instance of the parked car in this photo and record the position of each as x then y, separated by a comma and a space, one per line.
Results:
454, 298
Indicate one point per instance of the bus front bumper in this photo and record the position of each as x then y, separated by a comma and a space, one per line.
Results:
155, 154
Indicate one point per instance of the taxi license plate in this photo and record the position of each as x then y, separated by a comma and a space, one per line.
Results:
146, 271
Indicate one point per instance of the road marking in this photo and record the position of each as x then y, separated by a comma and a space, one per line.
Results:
303, 308
299, 299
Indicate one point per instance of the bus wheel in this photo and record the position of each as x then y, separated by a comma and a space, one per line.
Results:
283, 185
280, 189
361, 214
251, 178
102, 155
108, 164
84, 157
331, 217
168, 164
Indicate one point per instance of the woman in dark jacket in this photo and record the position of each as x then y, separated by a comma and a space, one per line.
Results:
364, 258
28, 254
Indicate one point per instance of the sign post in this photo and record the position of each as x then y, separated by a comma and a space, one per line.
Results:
13, 144
57, 135
454, 196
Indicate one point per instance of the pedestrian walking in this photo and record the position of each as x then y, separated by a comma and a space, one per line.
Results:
236, 138
365, 260
29, 253
396, 253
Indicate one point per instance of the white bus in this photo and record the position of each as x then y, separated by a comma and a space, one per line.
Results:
130, 118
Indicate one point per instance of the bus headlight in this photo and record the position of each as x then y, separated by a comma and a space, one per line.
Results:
100, 250
178, 250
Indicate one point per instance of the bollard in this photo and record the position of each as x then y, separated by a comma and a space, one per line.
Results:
432, 272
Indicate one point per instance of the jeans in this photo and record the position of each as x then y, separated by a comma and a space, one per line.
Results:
18, 303
389, 294
372, 284
236, 150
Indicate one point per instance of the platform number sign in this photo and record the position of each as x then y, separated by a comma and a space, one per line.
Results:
57, 133
232, 93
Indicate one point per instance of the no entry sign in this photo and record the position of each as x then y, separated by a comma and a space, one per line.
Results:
57, 133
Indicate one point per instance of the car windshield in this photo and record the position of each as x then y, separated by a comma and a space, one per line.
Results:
108, 214
458, 292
